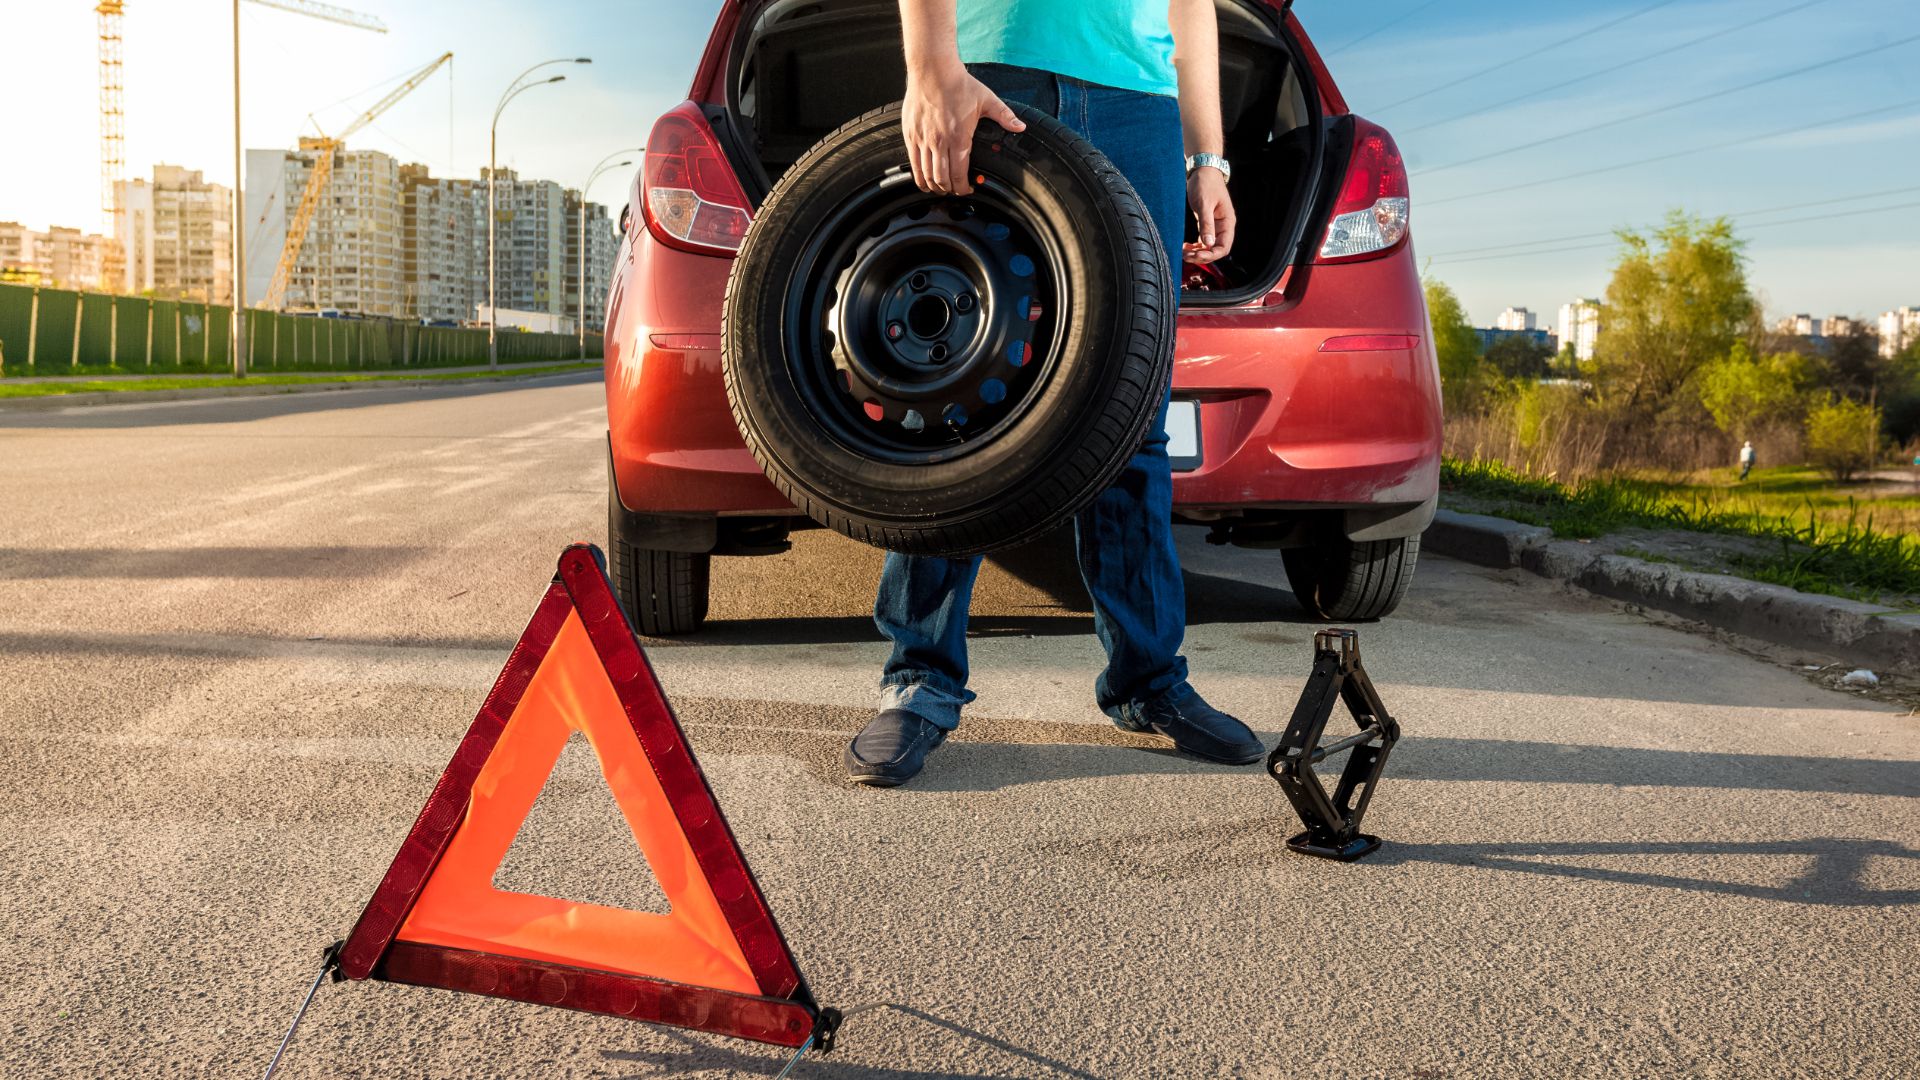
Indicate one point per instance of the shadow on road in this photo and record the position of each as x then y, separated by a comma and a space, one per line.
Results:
993, 765
33, 564
699, 1055
1046, 565
1833, 872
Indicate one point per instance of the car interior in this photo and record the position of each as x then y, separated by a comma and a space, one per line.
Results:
801, 68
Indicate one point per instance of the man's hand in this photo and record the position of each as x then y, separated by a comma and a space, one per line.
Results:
943, 108
1212, 212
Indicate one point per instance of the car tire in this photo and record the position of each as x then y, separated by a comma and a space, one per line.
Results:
1352, 581
1053, 376
664, 593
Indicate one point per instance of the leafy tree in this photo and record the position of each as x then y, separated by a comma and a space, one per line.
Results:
1518, 357
1744, 392
1678, 301
1854, 366
1463, 375
1843, 437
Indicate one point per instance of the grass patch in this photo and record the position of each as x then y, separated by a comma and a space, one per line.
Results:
1807, 548
54, 389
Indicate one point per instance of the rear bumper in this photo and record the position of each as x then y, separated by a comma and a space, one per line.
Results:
1283, 425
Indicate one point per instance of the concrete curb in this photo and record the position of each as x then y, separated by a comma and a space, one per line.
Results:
141, 397
1862, 633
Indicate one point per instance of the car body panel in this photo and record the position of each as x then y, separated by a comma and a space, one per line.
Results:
1282, 424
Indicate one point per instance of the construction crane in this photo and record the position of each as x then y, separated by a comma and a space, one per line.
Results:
326, 11
113, 88
113, 111
324, 148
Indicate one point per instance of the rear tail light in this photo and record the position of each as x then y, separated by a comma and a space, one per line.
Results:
1370, 217
693, 199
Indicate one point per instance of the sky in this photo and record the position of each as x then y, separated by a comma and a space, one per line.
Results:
1463, 85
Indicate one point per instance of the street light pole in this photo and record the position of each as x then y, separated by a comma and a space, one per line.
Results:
237, 339
518, 87
605, 164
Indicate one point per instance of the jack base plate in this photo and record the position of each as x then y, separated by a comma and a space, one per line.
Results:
1355, 848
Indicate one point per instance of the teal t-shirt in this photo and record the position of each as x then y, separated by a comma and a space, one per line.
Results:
1123, 43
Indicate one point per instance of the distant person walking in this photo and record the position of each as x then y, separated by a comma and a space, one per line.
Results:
1746, 460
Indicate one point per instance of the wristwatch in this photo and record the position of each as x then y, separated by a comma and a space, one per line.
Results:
1213, 161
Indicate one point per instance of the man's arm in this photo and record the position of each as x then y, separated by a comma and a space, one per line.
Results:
944, 104
1196, 63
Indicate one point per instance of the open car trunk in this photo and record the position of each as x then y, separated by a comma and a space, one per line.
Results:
801, 68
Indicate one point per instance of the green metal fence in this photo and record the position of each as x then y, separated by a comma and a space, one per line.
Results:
57, 332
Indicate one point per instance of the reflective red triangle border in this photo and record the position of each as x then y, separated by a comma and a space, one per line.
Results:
784, 1014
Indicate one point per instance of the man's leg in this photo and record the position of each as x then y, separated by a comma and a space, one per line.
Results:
1124, 539
922, 601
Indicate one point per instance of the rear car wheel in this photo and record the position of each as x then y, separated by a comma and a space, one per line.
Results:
948, 375
1352, 581
663, 592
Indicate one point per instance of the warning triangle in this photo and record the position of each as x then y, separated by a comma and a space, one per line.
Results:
715, 960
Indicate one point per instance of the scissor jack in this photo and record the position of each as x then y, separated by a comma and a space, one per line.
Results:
1333, 824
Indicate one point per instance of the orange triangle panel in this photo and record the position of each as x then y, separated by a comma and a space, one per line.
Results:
715, 961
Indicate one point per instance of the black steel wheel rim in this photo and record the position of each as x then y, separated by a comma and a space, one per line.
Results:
923, 326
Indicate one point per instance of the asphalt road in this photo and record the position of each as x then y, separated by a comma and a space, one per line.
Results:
239, 639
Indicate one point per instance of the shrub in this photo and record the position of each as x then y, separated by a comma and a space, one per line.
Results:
1843, 437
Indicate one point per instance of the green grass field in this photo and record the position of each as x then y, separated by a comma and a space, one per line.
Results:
134, 386
1821, 537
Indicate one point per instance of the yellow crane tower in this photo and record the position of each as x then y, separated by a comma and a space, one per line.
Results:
113, 112
324, 148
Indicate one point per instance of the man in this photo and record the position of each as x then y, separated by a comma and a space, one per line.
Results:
1140, 80
1746, 461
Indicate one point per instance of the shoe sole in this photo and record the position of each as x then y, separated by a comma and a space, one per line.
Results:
876, 781
1256, 756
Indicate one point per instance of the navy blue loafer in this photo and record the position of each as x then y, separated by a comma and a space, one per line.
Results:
891, 749
1198, 728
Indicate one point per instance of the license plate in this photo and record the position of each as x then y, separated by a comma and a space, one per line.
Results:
1183, 434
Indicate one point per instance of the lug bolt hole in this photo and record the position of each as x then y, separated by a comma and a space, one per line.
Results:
894, 331
938, 354
963, 303
918, 283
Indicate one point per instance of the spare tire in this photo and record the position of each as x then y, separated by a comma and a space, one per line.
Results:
948, 375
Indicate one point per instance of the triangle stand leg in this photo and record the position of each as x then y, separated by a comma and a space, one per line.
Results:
329, 966
1333, 821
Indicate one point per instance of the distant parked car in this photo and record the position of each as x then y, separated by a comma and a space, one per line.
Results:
1306, 408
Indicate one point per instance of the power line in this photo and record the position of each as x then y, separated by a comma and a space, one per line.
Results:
1743, 140
1388, 25
1762, 225
1670, 107
1744, 24
1737, 214
1590, 31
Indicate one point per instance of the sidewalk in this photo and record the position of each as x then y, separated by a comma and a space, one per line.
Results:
1869, 634
260, 373
48, 392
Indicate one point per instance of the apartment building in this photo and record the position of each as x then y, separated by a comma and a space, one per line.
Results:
175, 235
1516, 318
530, 257
352, 259
19, 250
602, 244
59, 258
444, 246
1899, 328
1580, 327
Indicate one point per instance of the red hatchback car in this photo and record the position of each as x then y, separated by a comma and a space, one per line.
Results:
1306, 409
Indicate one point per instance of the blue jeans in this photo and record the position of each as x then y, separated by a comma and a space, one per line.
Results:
1124, 540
